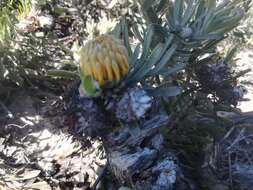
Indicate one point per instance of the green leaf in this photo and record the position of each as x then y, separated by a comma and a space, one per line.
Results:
90, 86
200, 9
151, 16
147, 42
165, 91
168, 43
162, 5
211, 5
229, 25
145, 68
63, 74
59, 10
124, 26
117, 31
188, 12
147, 4
166, 72
170, 20
178, 11
230, 54
164, 61
208, 37
135, 56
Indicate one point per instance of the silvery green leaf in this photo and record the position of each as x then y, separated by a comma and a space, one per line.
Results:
165, 59
117, 30
209, 18
126, 36
62, 74
211, 5
178, 11
166, 72
224, 4
147, 4
147, 42
188, 12
151, 16
223, 11
208, 37
170, 22
135, 56
145, 68
161, 5
125, 188
164, 91
167, 44
200, 9
229, 25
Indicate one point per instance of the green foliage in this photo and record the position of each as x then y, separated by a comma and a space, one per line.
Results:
171, 37
90, 86
10, 12
22, 56
6, 23
175, 35
23, 7
23, 60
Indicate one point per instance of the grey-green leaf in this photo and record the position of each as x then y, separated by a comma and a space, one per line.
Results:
164, 91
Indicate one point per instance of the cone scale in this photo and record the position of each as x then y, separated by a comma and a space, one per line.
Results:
104, 59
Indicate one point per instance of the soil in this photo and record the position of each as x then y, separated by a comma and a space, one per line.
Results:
38, 151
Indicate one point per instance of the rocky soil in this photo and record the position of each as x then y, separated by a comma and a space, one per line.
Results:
37, 150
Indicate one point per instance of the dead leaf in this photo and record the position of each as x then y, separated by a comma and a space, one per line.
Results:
25, 176
39, 186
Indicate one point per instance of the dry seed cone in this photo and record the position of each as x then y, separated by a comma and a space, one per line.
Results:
104, 59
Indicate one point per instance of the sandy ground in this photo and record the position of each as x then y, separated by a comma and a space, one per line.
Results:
246, 61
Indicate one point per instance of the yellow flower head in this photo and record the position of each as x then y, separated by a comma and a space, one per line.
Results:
104, 59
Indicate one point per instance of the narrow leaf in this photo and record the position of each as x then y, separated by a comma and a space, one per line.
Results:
63, 74
165, 59
164, 91
147, 42
188, 12
126, 36
142, 71
178, 11
135, 56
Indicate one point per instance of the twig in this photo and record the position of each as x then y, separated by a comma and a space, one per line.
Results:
6, 110
237, 139
228, 134
94, 186
230, 171
18, 126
